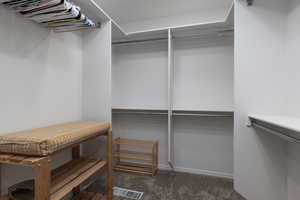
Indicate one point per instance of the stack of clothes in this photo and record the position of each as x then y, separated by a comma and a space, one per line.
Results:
62, 15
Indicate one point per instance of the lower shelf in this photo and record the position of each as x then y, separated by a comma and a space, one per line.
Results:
138, 168
72, 174
133, 155
135, 143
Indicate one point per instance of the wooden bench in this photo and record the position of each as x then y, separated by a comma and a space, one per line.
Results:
56, 184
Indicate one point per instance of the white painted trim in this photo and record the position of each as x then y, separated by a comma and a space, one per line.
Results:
231, 9
197, 171
111, 19
224, 20
170, 98
175, 27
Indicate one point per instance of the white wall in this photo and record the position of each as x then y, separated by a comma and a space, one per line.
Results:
139, 76
293, 178
96, 76
204, 81
292, 97
204, 145
40, 80
204, 74
260, 168
96, 82
143, 127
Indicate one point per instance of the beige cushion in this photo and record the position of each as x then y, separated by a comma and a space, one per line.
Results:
45, 141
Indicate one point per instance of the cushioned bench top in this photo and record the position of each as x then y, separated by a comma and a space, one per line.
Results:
45, 141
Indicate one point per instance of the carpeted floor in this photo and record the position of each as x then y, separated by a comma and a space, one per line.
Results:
174, 186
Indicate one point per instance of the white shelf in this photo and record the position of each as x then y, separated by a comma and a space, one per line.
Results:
139, 111
212, 28
203, 113
289, 123
283, 126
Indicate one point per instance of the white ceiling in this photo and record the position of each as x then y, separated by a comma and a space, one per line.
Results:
127, 11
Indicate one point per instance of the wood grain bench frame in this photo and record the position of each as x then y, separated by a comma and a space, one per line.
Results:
43, 169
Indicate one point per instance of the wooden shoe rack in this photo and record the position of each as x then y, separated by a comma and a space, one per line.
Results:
144, 161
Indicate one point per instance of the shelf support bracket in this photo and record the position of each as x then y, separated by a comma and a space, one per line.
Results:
249, 122
249, 2
98, 25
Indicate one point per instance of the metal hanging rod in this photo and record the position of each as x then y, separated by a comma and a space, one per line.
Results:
275, 132
82, 28
139, 112
139, 41
174, 113
202, 115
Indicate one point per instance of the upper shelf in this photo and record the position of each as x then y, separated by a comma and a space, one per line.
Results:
285, 127
60, 15
199, 113
289, 123
219, 27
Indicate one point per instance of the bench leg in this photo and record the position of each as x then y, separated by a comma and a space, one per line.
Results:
76, 153
43, 180
109, 166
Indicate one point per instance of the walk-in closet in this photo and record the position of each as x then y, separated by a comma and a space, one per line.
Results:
176, 86
149, 100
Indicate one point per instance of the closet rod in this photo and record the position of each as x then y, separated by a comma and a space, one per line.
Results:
98, 25
203, 115
275, 132
141, 113
139, 41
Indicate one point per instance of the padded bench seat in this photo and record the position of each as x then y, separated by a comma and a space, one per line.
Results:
46, 141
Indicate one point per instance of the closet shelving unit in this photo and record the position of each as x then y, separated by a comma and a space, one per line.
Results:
287, 128
168, 38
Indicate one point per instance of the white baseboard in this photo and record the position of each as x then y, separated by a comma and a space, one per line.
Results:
197, 171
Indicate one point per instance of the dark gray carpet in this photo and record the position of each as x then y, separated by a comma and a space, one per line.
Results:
168, 185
